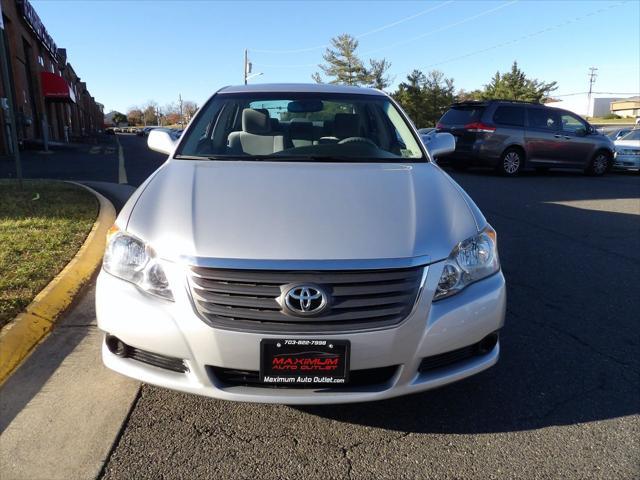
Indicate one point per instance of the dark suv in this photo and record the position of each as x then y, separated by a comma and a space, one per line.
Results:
509, 135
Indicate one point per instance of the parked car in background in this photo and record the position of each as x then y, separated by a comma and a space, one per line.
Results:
618, 133
299, 237
176, 133
109, 131
145, 130
627, 155
510, 135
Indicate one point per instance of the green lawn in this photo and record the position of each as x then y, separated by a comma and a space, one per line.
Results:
41, 229
621, 121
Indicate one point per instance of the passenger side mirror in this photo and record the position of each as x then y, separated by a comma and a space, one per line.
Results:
580, 131
441, 144
161, 141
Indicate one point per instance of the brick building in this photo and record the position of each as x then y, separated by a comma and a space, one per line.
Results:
50, 100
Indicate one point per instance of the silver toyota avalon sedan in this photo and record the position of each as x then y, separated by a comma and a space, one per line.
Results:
300, 246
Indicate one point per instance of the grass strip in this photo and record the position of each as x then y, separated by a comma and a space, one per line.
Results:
41, 229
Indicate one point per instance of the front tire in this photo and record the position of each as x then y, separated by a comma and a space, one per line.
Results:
511, 162
599, 165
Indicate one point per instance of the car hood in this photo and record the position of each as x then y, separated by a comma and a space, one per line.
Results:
301, 211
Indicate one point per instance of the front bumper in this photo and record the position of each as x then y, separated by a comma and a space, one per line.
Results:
173, 329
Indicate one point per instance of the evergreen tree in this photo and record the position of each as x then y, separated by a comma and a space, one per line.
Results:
425, 97
343, 66
377, 74
515, 85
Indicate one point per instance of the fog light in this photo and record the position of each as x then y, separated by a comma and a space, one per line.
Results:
116, 346
488, 343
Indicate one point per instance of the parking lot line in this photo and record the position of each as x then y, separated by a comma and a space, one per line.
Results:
122, 172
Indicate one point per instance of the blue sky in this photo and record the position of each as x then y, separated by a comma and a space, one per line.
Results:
130, 52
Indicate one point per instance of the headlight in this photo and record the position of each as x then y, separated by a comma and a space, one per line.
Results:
130, 259
471, 260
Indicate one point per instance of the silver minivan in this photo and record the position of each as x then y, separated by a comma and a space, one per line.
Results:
299, 246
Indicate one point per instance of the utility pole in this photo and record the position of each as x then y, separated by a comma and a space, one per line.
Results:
592, 80
247, 68
180, 103
11, 122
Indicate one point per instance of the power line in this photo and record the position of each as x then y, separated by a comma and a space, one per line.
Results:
443, 28
594, 93
527, 36
404, 42
371, 32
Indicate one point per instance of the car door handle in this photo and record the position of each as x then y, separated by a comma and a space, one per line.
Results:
557, 135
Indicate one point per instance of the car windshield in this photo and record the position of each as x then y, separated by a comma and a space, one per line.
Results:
300, 127
632, 135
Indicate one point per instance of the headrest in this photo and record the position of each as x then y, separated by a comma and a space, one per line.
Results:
346, 125
301, 130
256, 121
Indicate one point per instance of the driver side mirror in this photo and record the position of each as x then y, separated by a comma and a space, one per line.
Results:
441, 144
161, 141
581, 132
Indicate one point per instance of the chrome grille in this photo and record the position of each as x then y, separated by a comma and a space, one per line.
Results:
248, 299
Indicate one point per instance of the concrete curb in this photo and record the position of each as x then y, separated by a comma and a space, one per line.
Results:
23, 333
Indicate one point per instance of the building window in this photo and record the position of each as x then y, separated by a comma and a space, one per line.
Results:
41, 60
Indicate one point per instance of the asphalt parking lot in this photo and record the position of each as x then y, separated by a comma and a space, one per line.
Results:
563, 401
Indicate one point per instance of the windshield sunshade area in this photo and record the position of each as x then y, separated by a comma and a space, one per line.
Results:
301, 127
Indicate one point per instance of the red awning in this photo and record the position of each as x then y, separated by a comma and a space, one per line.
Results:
54, 87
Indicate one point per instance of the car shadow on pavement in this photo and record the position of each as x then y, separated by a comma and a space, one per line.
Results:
570, 252
36, 370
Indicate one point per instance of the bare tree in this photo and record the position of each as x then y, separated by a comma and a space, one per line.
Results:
189, 109
150, 113
134, 116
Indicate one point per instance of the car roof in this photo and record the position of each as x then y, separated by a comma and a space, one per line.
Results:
300, 88
484, 103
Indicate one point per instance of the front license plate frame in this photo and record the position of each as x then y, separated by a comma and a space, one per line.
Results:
304, 362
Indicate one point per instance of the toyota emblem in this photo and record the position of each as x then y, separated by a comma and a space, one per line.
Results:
305, 300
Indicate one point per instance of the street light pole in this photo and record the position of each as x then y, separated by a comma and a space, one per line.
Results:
10, 117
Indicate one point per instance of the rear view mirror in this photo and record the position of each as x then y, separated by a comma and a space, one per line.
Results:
305, 106
441, 144
161, 141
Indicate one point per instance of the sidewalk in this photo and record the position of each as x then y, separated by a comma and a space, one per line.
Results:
62, 410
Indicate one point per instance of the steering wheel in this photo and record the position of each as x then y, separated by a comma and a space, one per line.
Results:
357, 140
